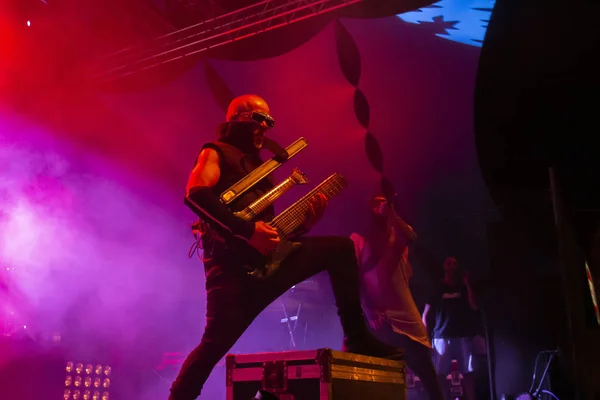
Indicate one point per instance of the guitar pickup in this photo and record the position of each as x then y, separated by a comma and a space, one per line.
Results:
253, 210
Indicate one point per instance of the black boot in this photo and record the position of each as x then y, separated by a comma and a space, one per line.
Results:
346, 289
359, 340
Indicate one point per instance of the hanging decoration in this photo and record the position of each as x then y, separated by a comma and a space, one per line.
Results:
350, 64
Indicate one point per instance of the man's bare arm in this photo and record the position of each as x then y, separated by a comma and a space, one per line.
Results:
472, 299
207, 172
204, 203
402, 226
425, 314
470, 294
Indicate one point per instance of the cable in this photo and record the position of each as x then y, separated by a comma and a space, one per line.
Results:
160, 376
551, 394
535, 366
488, 350
548, 363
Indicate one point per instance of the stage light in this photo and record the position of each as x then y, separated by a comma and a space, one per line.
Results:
28, 23
87, 383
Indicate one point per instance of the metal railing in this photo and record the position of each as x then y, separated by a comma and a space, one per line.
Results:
249, 21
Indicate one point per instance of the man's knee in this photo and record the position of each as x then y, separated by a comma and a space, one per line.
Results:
332, 248
342, 246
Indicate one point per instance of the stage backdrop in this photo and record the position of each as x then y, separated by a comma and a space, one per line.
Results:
93, 228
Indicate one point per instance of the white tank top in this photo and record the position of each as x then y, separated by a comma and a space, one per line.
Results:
386, 285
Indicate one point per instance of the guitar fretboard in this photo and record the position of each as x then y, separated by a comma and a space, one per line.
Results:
295, 215
261, 204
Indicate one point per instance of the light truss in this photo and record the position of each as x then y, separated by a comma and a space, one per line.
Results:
266, 15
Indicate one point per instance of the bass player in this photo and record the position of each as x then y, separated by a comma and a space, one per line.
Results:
234, 298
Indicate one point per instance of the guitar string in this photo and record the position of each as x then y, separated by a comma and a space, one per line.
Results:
295, 215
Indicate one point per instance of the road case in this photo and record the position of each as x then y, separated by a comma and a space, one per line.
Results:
321, 374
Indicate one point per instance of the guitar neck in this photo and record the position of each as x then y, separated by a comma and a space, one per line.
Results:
295, 215
240, 187
258, 206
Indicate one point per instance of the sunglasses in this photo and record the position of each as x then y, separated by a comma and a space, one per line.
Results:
377, 201
259, 118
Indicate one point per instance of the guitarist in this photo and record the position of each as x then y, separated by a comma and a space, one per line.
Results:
234, 298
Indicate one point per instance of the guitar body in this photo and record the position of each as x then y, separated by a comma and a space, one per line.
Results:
262, 267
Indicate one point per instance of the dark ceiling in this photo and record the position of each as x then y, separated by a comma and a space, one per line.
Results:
101, 27
68, 38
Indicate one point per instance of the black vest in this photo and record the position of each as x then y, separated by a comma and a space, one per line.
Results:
235, 165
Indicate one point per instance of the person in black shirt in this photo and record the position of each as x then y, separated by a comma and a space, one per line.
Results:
234, 298
455, 310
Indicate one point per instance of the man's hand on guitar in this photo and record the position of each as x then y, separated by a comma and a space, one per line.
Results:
317, 207
264, 239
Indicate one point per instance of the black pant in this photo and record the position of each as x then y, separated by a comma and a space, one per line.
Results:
418, 359
235, 299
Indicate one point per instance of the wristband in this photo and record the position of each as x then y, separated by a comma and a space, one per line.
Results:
203, 202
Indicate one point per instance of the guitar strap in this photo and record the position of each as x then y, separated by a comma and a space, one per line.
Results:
281, 154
